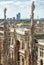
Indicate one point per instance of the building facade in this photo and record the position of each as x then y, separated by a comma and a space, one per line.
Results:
41, 52
20, 45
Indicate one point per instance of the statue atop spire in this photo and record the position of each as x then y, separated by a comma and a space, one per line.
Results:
5, 13
32, 10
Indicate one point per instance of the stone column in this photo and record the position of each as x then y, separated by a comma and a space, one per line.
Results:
21, 56
26, 59
0, 50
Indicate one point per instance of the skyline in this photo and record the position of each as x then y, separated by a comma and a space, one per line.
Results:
24, 7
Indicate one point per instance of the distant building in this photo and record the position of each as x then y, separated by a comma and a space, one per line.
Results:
18, 16
8, 19
1, 20
13, 18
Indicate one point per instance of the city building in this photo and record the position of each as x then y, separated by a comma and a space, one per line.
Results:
18, 16
13, 18
40, 52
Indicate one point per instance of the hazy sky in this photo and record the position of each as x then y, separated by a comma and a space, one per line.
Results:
22, 6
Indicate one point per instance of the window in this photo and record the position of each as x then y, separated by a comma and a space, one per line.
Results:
9, 39
41, 62
41, 49
41, 53
9, 42
18, 56
35, 40
18, 46
22, 45
9, 33
12, 40
22, 61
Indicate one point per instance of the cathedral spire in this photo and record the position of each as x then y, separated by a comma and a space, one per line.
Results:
33, 50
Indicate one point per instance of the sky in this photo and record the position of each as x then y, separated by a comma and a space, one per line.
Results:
22, 6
